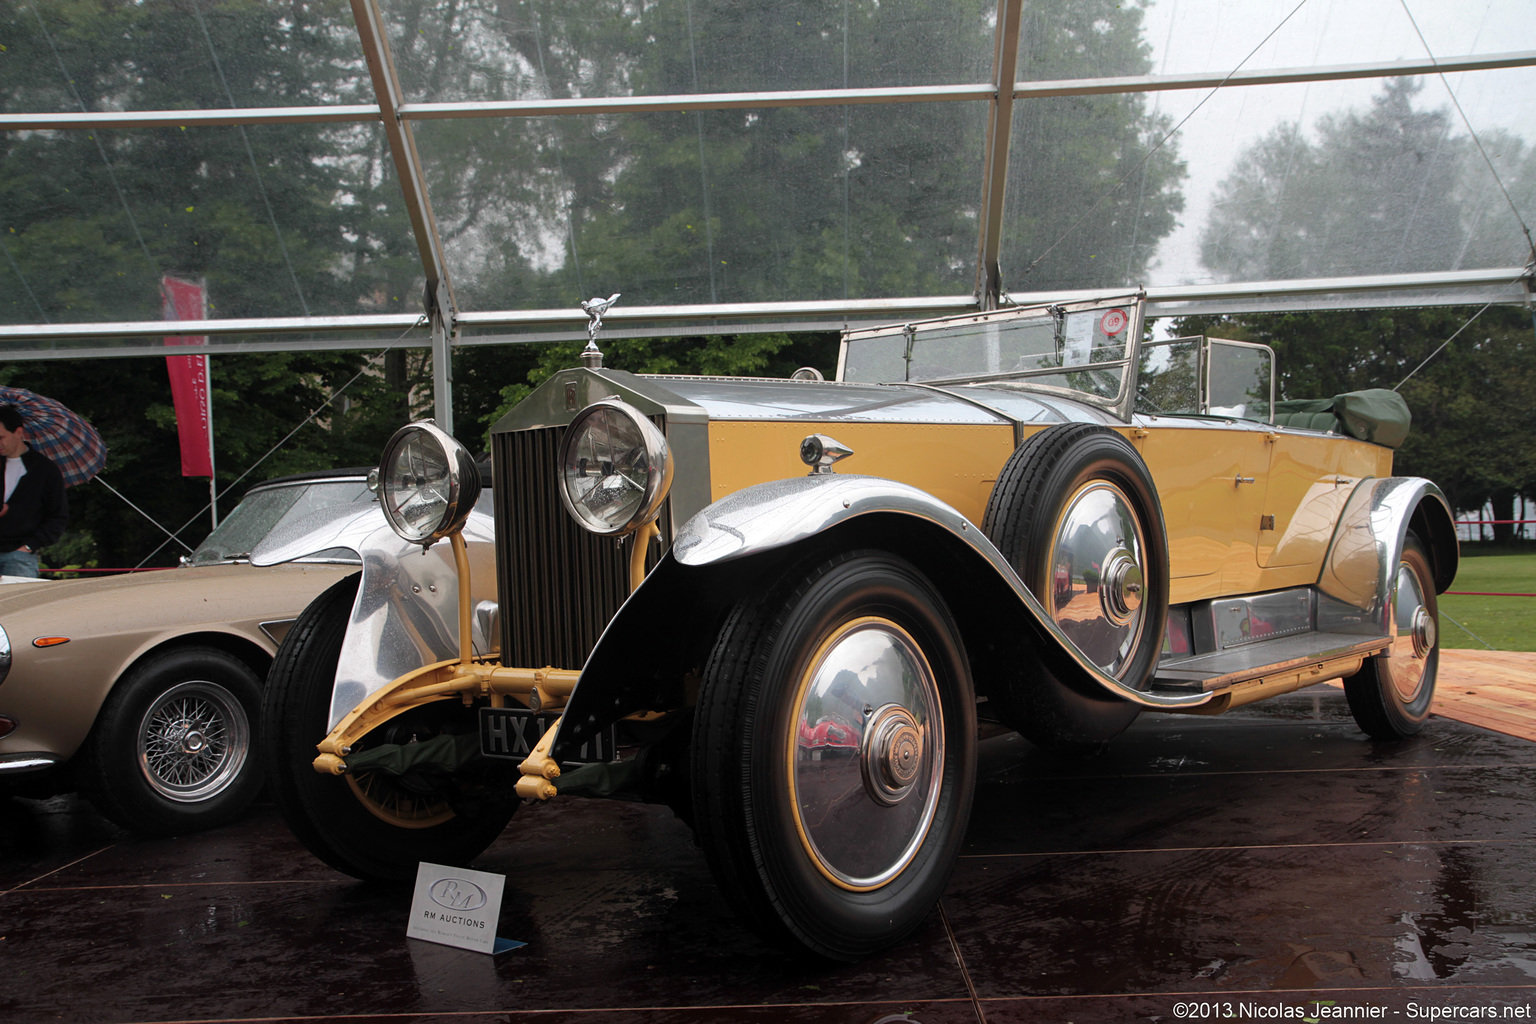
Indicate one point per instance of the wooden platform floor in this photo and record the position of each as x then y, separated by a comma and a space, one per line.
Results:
1492, 689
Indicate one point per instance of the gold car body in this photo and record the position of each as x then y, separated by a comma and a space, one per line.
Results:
1027, 519
1249, 508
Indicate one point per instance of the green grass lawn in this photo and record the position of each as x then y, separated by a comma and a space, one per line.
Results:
1505, 623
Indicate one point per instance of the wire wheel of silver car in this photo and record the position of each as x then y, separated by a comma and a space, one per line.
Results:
194, 741
372, 825
1391, 694
834, 754
172, 749
1076, 513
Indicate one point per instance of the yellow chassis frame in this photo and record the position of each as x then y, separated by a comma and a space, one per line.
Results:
471, 680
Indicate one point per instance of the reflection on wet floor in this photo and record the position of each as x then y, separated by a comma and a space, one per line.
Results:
1257, 862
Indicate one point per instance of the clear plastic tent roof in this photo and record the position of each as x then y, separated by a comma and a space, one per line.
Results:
331, 169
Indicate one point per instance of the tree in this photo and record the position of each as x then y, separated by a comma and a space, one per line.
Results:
1389, 190
1093, 186
276, 220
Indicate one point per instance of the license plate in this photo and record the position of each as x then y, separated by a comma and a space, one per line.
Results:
514, 732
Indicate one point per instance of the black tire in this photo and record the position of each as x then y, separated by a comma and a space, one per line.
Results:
1391, 695
865, 874
172, 749
1075, 468
368, 825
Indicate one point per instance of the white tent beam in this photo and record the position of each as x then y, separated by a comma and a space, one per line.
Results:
977, 92
1504, 285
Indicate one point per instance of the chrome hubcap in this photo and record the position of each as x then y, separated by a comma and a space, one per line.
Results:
1424, 633
866, 753
1120, 593
1098, 560
892, 754
193, 742
1416, 634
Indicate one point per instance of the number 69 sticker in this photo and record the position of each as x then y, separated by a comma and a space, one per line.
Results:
1113, 323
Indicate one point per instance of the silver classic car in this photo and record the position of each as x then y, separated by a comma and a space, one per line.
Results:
783, 607
142, 689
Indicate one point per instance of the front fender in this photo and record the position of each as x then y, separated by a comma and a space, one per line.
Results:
406, 615
718, 554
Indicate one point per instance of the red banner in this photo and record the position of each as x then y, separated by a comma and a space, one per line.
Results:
188, 300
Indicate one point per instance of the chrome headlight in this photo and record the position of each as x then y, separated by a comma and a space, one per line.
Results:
427, 483
5, 654
615, 468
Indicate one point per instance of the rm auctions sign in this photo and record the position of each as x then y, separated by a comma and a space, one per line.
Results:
457, 907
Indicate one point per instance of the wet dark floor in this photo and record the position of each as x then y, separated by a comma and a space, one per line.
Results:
1270, 864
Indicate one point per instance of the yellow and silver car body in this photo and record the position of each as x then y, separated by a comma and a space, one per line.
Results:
1261, 520
406, 614
783, 606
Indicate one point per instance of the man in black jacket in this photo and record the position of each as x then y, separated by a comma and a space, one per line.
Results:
34, 510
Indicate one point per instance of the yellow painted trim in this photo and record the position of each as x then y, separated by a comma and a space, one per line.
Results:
439, 681
639, 545
539, 770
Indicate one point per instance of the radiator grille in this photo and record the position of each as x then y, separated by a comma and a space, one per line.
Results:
558, 584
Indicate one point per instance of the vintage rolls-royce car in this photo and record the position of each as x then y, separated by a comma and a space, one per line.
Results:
785, 607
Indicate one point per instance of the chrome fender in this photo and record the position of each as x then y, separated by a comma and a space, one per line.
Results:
779, 516
784, 512
1360, 568
406, 615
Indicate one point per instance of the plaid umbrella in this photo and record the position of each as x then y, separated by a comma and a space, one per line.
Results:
69, 442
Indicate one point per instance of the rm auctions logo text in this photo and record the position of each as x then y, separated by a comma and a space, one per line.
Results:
457, 894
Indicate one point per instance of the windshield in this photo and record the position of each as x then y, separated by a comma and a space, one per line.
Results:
1083, 348
262, 511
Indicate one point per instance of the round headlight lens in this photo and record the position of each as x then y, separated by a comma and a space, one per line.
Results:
615, 468
427, 483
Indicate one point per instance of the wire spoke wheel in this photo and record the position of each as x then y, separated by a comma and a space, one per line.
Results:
173, 749
392, 804
194, 741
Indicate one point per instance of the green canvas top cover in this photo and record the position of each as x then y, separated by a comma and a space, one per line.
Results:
1376, 415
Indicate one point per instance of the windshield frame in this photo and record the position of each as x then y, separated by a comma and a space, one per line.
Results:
295, 491
1205, 349
1120, 403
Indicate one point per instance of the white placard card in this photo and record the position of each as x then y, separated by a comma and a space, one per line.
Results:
458, 907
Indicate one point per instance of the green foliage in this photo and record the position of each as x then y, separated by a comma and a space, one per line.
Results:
1091, 191
748, 205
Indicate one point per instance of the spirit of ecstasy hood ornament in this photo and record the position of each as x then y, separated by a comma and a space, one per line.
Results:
591, 356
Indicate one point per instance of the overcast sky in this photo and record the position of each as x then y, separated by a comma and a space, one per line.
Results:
1219, 35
